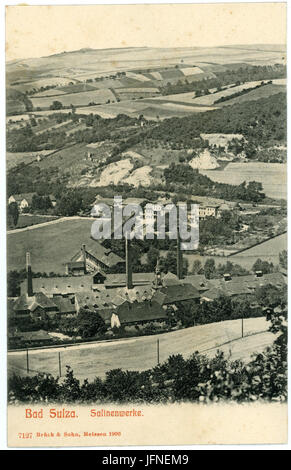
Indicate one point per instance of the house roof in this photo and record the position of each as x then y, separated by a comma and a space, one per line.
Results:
39, 299
140, 312
94, 301
112, 298
136, 294
170, 279
212, 294
199, 281
60, 285
75, 264
100, 271
176, 293
100, 253
19, 197
137, 279
64, 305
239, 285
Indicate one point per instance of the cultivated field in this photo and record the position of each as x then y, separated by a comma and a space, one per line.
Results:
273, 176
91, 360
77, 99
89, 63
136, 100
211, 98
262, 92
267, 251
42, 82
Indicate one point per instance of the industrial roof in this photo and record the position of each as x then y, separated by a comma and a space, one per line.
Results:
176, 293
100, 253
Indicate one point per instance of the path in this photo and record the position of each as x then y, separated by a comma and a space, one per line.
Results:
51, 222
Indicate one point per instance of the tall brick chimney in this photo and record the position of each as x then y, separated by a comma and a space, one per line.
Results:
129, 284
84, 257
179, 258
29, 276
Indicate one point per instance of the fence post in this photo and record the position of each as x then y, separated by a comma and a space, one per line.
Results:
158, 350
27, 361
60, 366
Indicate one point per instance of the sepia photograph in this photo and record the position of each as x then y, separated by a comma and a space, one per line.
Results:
146, 224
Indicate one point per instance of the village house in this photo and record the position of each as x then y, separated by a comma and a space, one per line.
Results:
23, 201
208, 210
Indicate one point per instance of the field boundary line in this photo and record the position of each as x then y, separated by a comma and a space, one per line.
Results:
69, 345
233, 340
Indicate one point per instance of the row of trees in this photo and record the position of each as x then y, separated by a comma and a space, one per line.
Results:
232, 75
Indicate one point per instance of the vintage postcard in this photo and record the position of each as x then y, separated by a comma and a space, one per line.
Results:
146, 165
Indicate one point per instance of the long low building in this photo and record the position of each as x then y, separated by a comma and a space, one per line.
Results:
39, 305
242, 285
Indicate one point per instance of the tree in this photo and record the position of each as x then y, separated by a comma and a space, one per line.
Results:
283, 259
14, 279
56, 105
263, 266
89, 323
209, 268
69, 204
152, 257
13, 213
169, 263
42, 203
197, 267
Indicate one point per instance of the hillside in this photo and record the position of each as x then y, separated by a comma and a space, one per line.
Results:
132, 67
140, 353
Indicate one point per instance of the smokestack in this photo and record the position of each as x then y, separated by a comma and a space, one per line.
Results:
84, 257
29, 275
128, 264
179, 258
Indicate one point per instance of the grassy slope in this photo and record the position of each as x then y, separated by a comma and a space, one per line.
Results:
50, 246
26, 220
263, 92
89, 361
